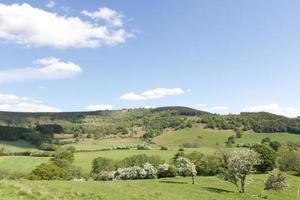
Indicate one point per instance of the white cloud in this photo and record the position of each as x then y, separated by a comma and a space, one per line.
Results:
30, 26
276, 109
99, 107
157, 93
108, 15
50, 4
9, 102
44, 69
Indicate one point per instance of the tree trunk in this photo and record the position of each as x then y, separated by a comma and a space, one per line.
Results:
243, 184
193, 179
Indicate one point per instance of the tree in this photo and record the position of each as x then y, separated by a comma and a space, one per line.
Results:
186, 168
266, 140
276, 181
238, 133
267, 157
230, 141
237, 165
102, 164
289, 159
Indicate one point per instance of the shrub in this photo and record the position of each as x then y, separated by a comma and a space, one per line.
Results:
139, 160
105, 176
47, 171
230, 141
102, 164
208, 166
267, 158
275, 145
149, 171
48, 147
266, 140
193, 144
129, 173
163, 148
143, 147
166, 170
276, 181
289, 159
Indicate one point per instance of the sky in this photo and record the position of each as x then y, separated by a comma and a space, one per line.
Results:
220, 56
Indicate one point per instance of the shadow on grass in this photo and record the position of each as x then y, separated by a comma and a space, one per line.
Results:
216, 190
174, 182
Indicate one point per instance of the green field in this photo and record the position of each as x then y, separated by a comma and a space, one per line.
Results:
17, 146
205, 137
250, 137
206, 188
84, 159
20, 164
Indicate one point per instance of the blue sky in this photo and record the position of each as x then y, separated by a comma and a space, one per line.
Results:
220, 56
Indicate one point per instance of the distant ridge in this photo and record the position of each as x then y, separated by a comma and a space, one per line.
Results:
181, 110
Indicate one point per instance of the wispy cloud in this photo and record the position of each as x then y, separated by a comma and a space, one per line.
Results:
289, 111
99, 107
51, 4
9, 102
44, 69
36, 27
108, 15
157, 93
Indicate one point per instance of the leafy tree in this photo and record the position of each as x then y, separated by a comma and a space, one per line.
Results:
276, 181
289, 159
166, 170
237, 165
266, 140
186, 168
103, 164
230, 141
267, 157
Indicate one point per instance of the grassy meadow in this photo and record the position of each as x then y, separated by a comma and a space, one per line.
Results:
206, 188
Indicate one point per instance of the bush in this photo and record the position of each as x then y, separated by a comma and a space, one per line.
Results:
129, 173
267, 158
266, 140
166, 170
71, 149
276, 181
193, 144
102, 164
139, 160
105, 176
143, 147
163, 148
275, 145
47, 171
48, 147
289, 159
148, 171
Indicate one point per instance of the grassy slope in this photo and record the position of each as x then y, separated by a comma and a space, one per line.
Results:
20, 164
251, 137
105, 143
17, 146
205, 137
206, 188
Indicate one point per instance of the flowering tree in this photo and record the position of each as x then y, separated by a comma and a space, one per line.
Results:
186, 168
238, 165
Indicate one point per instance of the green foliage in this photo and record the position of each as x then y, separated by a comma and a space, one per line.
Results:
237, 165
48, 171
275, 145
289, 159
103, 164
276, 181
267, 157
185, 167
230, 141
166, 170
140, 160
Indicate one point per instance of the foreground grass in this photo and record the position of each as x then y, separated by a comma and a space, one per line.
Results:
206, 188
20, 164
